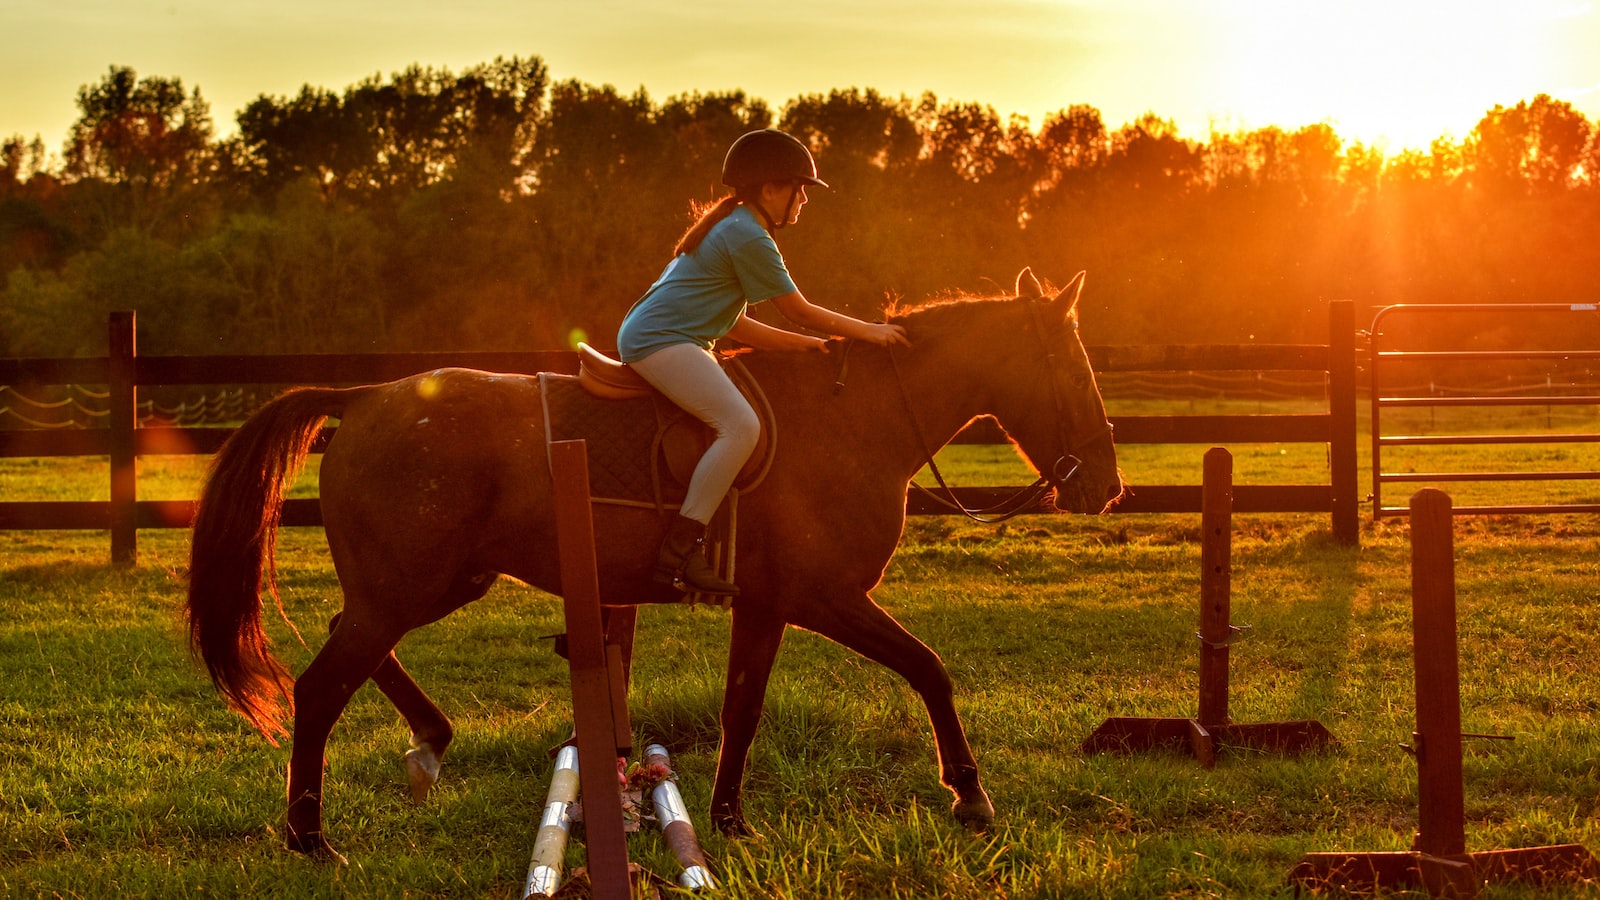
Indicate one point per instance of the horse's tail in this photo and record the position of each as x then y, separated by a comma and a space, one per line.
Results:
235, 533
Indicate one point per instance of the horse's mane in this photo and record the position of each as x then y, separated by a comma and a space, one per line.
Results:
948, 310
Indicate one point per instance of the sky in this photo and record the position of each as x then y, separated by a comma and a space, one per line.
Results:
1386, 73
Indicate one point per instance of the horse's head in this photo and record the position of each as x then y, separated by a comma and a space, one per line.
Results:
1053, 410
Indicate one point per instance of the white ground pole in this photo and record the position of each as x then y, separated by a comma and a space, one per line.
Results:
673, 816
550, 846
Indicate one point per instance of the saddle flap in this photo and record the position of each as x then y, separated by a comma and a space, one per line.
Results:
675, 439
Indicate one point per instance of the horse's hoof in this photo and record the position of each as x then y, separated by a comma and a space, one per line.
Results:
329, 856
316, 848
735, 827
422, 771
975, 815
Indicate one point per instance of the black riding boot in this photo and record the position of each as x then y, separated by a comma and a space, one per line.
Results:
683, 562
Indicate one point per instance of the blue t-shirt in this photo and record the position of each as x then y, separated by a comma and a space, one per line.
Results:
699, 296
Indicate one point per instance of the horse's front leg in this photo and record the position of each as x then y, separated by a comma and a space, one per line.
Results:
753, 647
863, 626
351, 655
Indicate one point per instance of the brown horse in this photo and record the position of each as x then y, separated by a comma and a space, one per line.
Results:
436, 484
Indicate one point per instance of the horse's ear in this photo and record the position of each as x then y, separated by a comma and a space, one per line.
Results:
1027, 285
1068, 298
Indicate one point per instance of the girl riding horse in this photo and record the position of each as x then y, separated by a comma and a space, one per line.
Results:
724, 263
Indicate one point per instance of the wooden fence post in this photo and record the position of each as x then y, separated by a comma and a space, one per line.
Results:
1441, 811
599, 724
1342, 424
1216, 591
122, 419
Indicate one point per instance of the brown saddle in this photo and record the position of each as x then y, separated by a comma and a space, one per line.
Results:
642, 446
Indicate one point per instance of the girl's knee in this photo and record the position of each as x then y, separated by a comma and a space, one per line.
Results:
742, 430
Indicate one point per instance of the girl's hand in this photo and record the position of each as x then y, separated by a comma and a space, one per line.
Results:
885, 334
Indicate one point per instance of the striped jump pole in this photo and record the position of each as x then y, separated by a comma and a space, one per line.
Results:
550, 846
673, 816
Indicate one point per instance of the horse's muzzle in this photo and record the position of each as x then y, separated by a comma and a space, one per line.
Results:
1081, 492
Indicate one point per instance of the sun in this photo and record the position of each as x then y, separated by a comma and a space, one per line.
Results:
1394, 73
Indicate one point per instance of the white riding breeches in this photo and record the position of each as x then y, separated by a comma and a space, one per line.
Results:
691, 377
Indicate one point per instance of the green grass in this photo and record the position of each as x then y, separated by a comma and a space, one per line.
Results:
121, 773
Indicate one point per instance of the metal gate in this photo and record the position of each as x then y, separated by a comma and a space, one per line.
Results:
1498, 366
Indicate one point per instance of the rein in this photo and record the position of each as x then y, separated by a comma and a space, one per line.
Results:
1025, 499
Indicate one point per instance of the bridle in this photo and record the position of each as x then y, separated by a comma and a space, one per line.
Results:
1029, 497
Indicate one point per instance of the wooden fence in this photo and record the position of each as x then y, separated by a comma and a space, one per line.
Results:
124, 371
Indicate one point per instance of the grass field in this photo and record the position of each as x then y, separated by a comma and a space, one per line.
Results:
122, 774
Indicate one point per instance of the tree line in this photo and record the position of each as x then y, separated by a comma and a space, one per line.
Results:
496, 208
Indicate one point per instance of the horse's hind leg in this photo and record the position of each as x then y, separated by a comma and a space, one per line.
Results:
431, 731
352, 654
863, 626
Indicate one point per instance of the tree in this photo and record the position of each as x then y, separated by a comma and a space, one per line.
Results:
857, 132
32, 232
598, 233
497, 110
852, 248
1074, 140
302, 277
1149, 154
140, 151
1539, 144
697, 130
140, 131
1070, 217
21, 161
970, 191
305, 137
382, 140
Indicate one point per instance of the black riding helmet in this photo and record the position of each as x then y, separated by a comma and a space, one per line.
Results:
768, 155
758, 157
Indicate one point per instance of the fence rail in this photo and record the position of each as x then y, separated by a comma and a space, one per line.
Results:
123, 440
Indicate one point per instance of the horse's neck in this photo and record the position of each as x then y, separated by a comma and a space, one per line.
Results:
916, 404
888, 420
942, 395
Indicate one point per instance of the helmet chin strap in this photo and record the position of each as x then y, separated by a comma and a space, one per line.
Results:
762, 212
788, 209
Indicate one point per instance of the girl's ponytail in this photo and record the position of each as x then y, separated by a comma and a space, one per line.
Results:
706, 218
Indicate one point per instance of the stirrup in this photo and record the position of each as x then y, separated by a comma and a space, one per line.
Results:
678, 582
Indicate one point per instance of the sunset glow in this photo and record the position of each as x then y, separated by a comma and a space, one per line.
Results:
1382, 72
1401, 73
